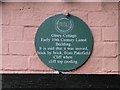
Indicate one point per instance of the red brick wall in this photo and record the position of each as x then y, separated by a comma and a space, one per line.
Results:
21, 20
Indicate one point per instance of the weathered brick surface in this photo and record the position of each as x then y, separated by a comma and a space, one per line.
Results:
36, 64
83, 6
110, 49
0, 44
27, 18
20, 22
0, 47
97, 34
6, 17
29, 33
118, 48
12, 33
0, 62
109, 34
12, 6
0, 14
110, 64
12, 62
21, 48
5, 47
98, 49
51, 7
81, 14
110, 5
101, 19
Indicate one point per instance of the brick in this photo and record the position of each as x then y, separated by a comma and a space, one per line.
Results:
5, 47
21, 48
118, 48
110, 64
83, 6
48, 7
38, 15
29, 33
10, 62
81, 14
101, 19
92, 66
0, 14
7, 34
12, 33
6, 17
17, 18
12, 5
110, 5
36, 64
0, 62
109, 34
97, 34
0, 46
110, 49
32, 18
98, 49
116, 12
90, 6
26, 18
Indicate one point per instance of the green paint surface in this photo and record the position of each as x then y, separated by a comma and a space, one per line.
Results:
64, 43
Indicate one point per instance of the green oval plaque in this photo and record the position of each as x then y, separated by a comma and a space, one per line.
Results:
64, 43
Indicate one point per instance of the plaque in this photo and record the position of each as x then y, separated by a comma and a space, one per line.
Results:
64, 43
